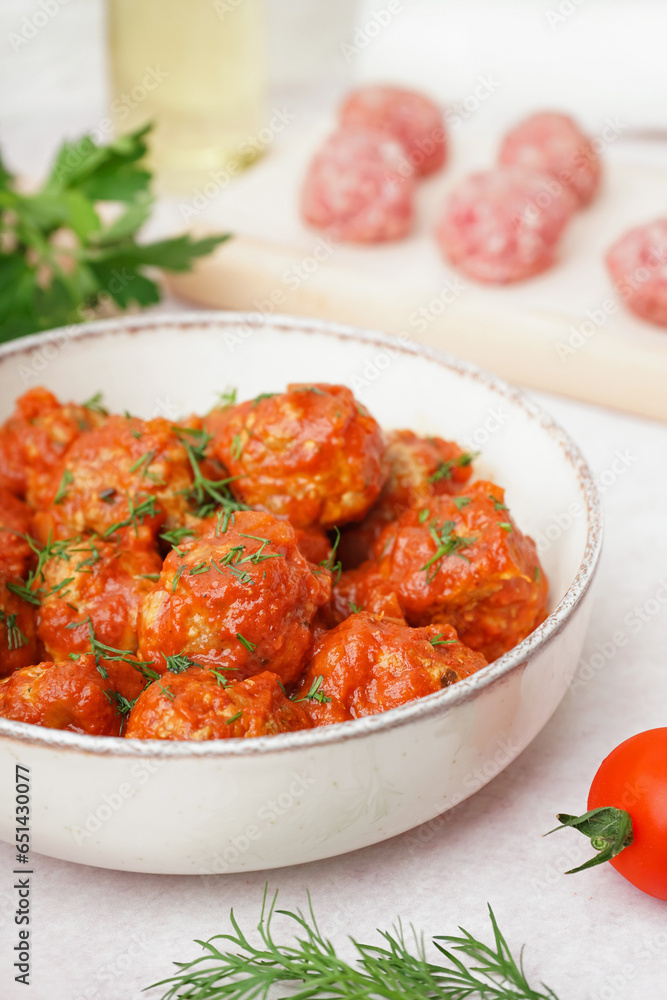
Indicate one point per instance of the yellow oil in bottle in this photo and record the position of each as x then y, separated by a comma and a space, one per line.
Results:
197, 69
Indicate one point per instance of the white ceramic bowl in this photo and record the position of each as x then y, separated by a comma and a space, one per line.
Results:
234, 805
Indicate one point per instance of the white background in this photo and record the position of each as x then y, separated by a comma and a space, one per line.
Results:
106, 935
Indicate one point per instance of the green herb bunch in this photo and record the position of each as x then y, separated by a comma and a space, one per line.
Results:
309, 968
59, 261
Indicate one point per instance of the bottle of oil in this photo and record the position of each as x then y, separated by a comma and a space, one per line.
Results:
197, 69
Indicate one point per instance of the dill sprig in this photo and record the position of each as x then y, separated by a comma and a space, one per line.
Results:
334, 565
59, 549
315, 693
234, 968
205, 494
137, 513
448, 543
15, 637
445, 469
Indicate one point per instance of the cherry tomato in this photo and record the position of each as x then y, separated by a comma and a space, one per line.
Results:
634, 778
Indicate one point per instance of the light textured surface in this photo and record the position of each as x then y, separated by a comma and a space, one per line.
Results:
104, 936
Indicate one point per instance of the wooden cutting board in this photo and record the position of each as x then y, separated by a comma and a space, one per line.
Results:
565, 331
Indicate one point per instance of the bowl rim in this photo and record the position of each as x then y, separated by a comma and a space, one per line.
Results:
432, 705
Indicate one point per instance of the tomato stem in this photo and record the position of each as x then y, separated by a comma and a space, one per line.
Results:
609, 829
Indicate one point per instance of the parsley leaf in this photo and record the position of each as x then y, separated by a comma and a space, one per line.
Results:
58, 258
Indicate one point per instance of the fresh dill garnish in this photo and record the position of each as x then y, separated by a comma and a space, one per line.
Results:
96, 405
263, 395
176, 535
315, 693
334, 565
146, 459
355, 609
497, 504
233, 718
24, 591
237, 447
85, 565
424, 515
220, 678
445, 469
224, 517
250, 646
15, 637
178, 663
101, 651
165, 690
461, 502
537, 574
505, 525
448, 543
202, 567
177, 577
136, 515
61, 549
241, 575
438, 640
309, 967
259, 556
122, 704
61, 492
205, 494
149, 576
227, 398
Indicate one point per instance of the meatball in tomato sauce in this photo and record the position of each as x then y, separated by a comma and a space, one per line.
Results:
369, 664
312, 453
240, 598
418, 468
463, 561
93, 586
199, 705
35, 438
125, 479
71, 694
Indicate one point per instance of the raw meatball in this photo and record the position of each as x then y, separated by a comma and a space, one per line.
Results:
369, 665
551, 143
462, 561
637, 263
360, 188
312, 453
125, 479
419, 468
71, 695
34, 439
504, 225
241, 598
196, 705
95, 584
411, 118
